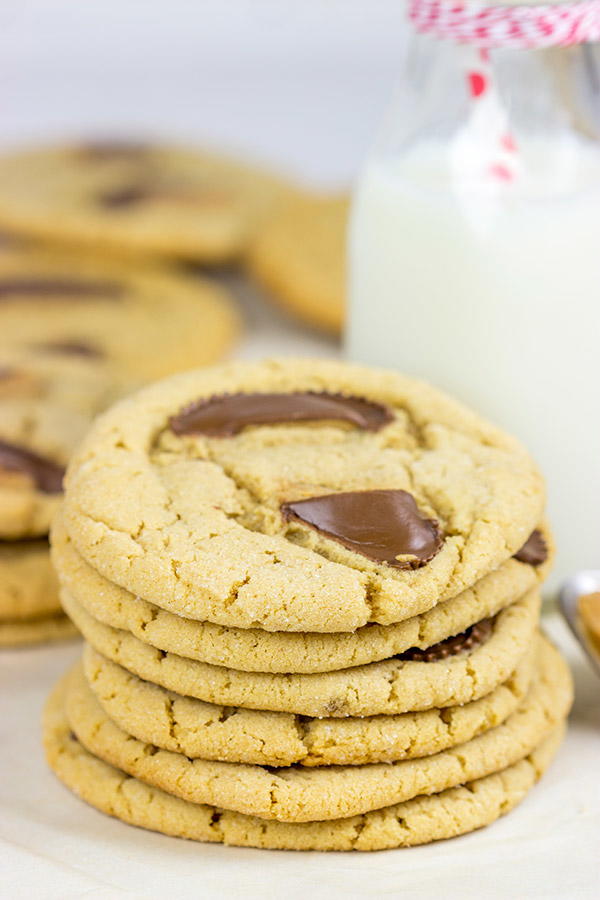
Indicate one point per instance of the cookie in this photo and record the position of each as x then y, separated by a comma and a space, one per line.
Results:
47, 401
19, 632
142, 321
424, 819
203, 730
390, 687
252, 650
253, 495
299, 257
28, 585
291, 795
136, 199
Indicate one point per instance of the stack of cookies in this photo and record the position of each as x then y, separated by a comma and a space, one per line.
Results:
48, 397
310, 598
76, 333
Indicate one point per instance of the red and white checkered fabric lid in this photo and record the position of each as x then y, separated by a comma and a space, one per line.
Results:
525, 27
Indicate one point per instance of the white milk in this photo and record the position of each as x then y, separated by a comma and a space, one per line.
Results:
492, 292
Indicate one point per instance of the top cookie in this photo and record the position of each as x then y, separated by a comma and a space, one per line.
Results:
136, 198
142, 320
298, 495
299, 256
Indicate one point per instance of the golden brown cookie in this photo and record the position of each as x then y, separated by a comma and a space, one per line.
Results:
47, 402
28, 584
142, 321
299, 257
390, 687
20, 633
290, 794
136, 199
424, 819
253, 650
298, 495
203, 730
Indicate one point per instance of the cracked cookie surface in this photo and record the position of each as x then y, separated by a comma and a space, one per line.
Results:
253, 650
295, 794
229, 734
136, 199
447, 814
389, 687
193, 523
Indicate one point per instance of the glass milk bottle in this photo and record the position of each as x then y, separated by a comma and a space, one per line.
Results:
474, 247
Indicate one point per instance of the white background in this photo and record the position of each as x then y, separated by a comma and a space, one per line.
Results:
302, 85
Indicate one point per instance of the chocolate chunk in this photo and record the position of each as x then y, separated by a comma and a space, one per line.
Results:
57, 288
467, 640
381, 525
123, 197
227, 415
182, 194
72, 348
195, 270
534, 551
109, 150
47, 475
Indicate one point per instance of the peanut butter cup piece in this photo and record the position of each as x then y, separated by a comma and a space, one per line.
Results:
534, 551
31, 287
385, 526
46, 474
467, 640
227, 415
124, 197
71, 348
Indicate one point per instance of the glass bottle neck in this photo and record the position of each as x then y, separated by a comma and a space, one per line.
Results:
547, 92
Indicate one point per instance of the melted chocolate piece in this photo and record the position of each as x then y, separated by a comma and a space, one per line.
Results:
227, 415
47, 475
181, 194
534, 551
380, 525
48, 288
72, 348
109, 150
123, 197
201, 270
467, 640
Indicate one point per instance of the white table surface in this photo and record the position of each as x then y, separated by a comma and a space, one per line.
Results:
53, 846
